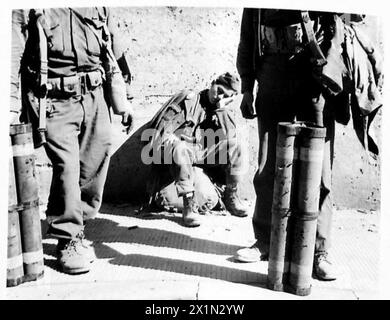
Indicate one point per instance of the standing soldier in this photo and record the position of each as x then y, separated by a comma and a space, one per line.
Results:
275, 50
62, 64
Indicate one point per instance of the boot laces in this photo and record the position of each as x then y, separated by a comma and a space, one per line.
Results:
192, 204
72, 246
322, 257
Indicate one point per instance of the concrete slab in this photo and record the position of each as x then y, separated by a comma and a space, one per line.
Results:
112, 290
153, 256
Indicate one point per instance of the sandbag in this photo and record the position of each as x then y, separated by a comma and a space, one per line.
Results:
206, 194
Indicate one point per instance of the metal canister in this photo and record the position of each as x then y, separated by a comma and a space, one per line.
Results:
279, 255
15, 272
28, 200
305, 208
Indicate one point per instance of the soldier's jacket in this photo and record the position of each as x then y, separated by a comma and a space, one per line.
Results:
272, 30
74, 37
356, 62
185, 113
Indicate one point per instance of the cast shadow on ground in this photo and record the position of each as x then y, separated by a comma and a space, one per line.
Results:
126, 177
153, 237
160, 238
191, 268
155, 213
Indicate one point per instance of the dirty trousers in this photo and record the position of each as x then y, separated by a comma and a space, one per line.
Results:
225, 154
78, 145
288, 92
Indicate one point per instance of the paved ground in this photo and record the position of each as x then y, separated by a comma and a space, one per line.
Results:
154, 257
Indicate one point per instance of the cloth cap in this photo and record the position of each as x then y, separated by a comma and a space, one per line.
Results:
229, 81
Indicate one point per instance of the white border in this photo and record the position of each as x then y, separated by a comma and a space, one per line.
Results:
373, 7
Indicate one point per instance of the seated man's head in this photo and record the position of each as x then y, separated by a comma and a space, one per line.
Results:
224, 86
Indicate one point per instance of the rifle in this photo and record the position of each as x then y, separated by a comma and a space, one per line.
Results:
42, 82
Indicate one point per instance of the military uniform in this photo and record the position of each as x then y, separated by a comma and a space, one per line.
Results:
78, 119
272, 51
191, 131
195, 150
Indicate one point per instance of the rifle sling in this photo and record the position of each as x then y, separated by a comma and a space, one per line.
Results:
43, 74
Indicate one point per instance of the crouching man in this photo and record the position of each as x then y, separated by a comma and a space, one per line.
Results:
197, 129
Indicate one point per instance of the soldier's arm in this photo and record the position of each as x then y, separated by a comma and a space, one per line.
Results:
120, 52
113, 29
19, 21
245, 54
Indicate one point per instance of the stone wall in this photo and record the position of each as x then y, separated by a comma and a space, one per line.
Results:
174, 48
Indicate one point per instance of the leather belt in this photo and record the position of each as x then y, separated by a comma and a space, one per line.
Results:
79, 84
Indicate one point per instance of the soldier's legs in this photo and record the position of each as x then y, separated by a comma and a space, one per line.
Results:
323, 268
313, 110
263, 182
95, 144
227, 155
182, 158
324, 224
275, 102
64, 210
181, 166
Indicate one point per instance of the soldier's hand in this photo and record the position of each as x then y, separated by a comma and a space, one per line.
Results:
247, 107
224, 102
127, 118
127, 121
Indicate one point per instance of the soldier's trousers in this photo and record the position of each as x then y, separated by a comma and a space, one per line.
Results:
78, 145
225, 155
288, 92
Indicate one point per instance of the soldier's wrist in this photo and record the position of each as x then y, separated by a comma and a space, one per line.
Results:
247, 85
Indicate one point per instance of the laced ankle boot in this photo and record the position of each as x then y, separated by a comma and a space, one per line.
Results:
233, 202
191, 217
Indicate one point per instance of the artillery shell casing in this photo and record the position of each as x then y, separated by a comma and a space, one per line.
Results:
279, 255
28, 200
305, 212
15, 274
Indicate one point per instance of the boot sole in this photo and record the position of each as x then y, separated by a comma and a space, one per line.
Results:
192, 225
263, 257
241, 259
75, 271
320, 278
239, 215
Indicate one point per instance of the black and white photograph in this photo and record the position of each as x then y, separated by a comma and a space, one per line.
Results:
167, 150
